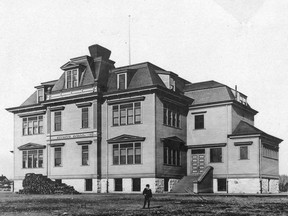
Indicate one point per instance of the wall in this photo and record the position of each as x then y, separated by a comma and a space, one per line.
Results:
163, 131
244, 185
244, 168
19, 140
72, 152
145, 129
215, 125
239, 114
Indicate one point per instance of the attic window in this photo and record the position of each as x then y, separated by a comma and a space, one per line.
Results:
40, 95
172, 84
122, 81
71, 78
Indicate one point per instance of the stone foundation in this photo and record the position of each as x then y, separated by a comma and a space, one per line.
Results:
243, 185
171, 183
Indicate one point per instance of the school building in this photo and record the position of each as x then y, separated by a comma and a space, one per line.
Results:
105, 129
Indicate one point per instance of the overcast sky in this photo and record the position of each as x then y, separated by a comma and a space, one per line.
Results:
235, 42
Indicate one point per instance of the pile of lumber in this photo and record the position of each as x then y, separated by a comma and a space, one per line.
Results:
39, 184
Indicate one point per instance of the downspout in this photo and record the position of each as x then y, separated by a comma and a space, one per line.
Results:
227, 154
48, 149
260, 158
107, 160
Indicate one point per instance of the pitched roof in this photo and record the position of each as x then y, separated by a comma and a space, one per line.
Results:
208, 92
32, 99
3, 178
244, 128
203, 85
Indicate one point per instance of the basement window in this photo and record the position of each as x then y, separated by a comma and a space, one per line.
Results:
222, 184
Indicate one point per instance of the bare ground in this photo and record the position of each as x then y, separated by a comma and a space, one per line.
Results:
131, 204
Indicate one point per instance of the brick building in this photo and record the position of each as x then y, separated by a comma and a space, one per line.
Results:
106, 129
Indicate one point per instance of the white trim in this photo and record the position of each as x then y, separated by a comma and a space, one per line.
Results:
118, 75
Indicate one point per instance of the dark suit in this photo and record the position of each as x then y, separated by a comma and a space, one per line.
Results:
147, 196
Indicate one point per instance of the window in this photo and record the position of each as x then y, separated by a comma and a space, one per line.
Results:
243, 152
57, 157
118, 184
166, 184
85, 114
121, 81
171, 116
40, 94
85, 155
32, 159
270, 152
129, 153
136, 184
71, 78
221, 184
32, 125
88, 185
215, 155
172, 84
57, 121
199, 122
171, 156
126, 114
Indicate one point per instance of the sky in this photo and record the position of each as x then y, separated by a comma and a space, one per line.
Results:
234, 42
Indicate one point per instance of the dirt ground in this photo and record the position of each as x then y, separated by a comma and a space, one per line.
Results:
127, 204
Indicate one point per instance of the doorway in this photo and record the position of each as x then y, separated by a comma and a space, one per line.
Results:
197, 161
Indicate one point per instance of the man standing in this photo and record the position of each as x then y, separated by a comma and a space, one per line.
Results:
147, 195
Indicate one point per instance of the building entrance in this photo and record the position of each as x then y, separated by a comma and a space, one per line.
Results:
197, 161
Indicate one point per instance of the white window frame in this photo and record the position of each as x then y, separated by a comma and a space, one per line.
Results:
38, 94
118, 84
72, 81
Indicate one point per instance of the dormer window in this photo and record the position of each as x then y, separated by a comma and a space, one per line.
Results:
122, 81
40, 95
172, 84
72, 78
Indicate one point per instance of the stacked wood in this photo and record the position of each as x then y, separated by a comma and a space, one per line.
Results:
39, 184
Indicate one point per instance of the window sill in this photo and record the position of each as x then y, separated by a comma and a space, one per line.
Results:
85, 165
82, 128
58, 166
172, 126
199, 129
126, 164
33, 168
243, 159
126, 125
216, 162
57, 131
32, 134
172, 165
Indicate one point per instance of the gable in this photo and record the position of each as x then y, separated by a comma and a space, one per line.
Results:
126, 138
30, 146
